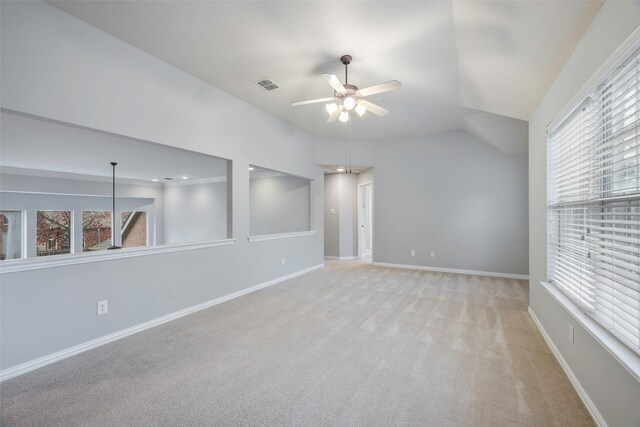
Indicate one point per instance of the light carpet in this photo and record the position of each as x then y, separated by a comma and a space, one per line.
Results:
350, 344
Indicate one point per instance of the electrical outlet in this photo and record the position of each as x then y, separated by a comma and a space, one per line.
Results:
283, 262
433, 254
571, 335
103, 307
413, 253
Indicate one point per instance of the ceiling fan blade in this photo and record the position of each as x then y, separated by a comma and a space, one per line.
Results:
312, 101
334, 116
334, 82
375, 109
382, 87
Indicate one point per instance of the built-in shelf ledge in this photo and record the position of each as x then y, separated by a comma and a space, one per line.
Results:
623, 354
26, 264
264, 237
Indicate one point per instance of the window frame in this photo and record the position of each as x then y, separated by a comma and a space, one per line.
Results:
628, 358
23, 233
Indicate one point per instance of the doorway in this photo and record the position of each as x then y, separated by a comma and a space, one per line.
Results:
365, 221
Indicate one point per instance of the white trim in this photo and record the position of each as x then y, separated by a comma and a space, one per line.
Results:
26, 264
625, 49
264, 237
197, 181
591, 407
32, 365
103, 196
341, 258
9, 170
623, 354
454, 270
275, 171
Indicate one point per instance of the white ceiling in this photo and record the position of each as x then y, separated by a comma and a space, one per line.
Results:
509, 52
34, 144
452, 58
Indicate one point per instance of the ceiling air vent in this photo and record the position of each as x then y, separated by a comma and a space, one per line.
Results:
267, 84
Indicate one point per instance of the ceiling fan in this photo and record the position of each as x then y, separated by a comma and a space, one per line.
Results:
348, 98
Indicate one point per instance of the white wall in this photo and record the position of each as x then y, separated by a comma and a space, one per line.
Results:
450, 193
195, 213
366, 176
612, 389
57, 67
279, 204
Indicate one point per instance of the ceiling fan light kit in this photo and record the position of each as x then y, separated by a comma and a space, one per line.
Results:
348, 98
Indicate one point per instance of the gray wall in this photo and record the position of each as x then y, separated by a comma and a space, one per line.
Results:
279, 204
348, 215
332, 220
454, 195
611, 388
341, 194
450, 193
195, 213
60, 68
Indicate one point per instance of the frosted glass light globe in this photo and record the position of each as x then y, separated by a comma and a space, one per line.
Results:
348, 103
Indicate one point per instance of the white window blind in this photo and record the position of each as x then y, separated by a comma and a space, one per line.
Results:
593, 204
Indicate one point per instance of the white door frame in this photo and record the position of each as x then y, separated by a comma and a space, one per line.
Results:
361, 219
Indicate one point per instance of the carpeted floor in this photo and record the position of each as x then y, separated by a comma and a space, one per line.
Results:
351, 344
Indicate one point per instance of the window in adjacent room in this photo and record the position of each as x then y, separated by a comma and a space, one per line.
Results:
53, 233
96, 230
593, 203
133, 229
10, 234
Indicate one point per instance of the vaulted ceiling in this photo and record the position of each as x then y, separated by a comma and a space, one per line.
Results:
455, 60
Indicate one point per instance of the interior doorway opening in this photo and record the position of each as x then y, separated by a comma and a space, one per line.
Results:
348, 216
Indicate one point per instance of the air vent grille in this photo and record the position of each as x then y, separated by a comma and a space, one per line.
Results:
267, 84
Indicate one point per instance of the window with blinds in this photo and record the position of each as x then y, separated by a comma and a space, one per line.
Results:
593, 204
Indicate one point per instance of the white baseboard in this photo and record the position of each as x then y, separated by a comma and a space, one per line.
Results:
591, 407
454, 270
341, 258
32, 365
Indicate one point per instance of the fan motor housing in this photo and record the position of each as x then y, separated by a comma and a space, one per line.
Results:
351, 90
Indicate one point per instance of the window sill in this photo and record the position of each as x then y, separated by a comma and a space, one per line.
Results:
623, 354
26, 264
262, 238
